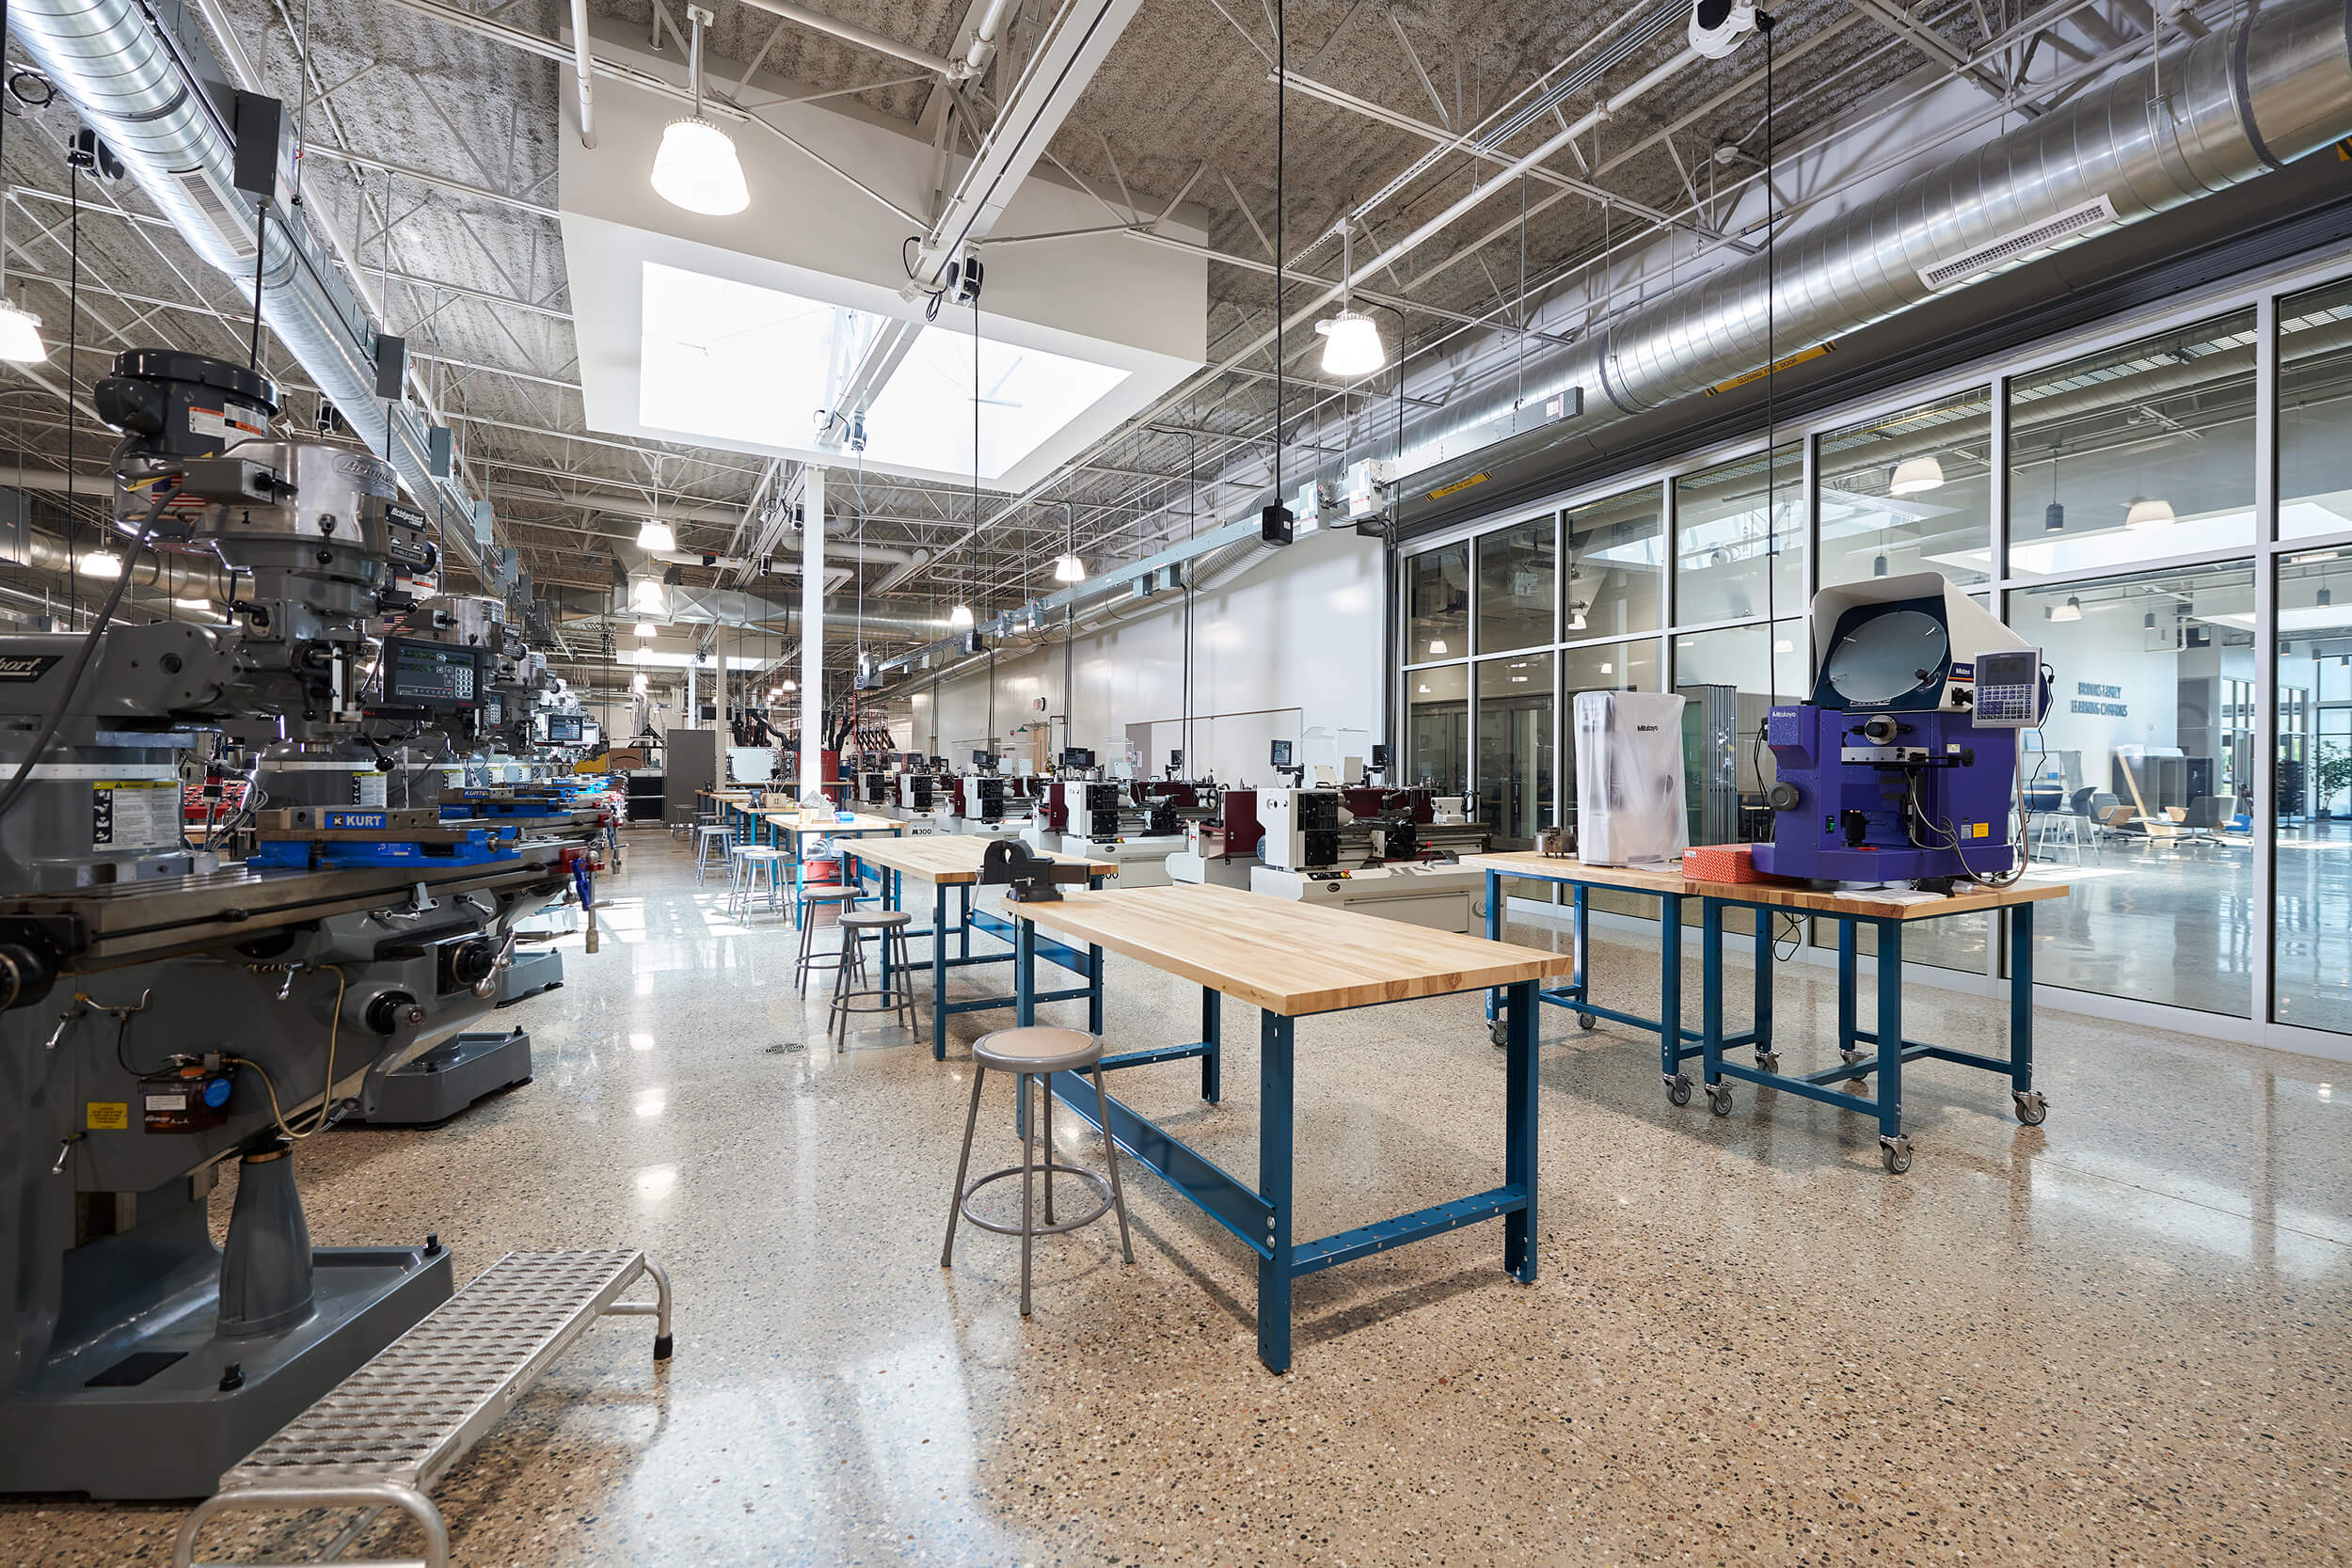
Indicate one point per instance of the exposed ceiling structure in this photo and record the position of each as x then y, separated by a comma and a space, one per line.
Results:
431, 148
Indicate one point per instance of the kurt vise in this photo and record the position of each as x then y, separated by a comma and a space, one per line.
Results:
1902, 767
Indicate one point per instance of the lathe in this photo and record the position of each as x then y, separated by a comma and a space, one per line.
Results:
163, 1013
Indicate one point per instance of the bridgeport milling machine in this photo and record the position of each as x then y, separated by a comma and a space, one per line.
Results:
160, 1014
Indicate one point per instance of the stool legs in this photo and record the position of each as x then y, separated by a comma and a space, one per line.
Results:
1045, 1110
963, 1166
1110, 1157
1028, 1145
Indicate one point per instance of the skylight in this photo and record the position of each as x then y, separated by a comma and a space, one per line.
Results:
727, 361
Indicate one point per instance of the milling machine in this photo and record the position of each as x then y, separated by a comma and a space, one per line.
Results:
162, 1014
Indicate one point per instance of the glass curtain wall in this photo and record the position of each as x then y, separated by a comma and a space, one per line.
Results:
2194, 779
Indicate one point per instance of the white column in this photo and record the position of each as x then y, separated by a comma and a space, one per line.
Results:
812, 628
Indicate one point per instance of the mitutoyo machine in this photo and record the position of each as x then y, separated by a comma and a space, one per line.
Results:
161, 1015
1904, 765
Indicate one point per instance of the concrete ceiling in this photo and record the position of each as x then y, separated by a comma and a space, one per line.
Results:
452, 135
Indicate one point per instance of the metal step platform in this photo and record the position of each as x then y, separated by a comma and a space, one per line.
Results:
392, 1429
445, 1080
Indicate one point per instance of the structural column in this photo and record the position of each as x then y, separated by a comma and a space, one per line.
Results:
812, 630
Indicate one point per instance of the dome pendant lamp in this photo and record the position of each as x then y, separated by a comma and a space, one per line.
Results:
1351, 346
696, 168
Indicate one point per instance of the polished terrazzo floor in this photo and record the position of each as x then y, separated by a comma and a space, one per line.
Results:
2117, 1338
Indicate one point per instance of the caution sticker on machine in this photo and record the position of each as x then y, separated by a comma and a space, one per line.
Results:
134, 814
231, 421
106, 1116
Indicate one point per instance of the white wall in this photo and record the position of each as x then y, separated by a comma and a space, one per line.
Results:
1294, 644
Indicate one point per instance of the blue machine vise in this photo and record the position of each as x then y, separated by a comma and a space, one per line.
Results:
1902, 767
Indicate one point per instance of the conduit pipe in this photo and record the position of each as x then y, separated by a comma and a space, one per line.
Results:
584, 69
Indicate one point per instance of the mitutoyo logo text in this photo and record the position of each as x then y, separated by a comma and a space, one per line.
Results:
25, 667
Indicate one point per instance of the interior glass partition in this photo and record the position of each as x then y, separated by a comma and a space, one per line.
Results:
2140, 801
1910, 492
2134, 453
1515, 580
1436, 604
1436, 728
1739, 540
2312, 863
1615, 581
2315, 412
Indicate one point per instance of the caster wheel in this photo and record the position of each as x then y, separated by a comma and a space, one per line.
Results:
1895, 1154
1768, 1060
1498, 1031
1586, 1020
2031, 1107
1678, 1088
1719, 1098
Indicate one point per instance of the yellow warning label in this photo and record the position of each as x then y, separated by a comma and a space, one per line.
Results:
108, 1116
1781, 364
1456, 487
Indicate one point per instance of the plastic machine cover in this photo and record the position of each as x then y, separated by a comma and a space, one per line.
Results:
1629, 778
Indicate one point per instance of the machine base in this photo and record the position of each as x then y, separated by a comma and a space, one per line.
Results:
530, 974
1437, 896
172, 1434
1142, 862
446, 1080
1039, 836
1213, 870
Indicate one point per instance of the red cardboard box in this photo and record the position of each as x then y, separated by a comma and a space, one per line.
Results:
1722, 862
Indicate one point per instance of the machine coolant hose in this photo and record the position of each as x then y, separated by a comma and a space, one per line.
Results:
15, 790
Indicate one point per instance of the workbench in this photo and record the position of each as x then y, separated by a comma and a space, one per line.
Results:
948, 862
789, 831
1887, 912
1293, 960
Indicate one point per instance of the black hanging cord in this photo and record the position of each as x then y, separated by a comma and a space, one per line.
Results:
1764, 24
1282, 124
73, 410
260, 249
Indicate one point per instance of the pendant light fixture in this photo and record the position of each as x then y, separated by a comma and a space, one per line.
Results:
696, 168
104, 565
645, 594
2148, 512
655, 536
959, 618
1069, 568
1915, 475
1351, 343
2071, 611
2054, 519
646, 628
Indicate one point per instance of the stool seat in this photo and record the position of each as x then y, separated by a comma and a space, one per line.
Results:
827, 892
875, 920
1038, 1049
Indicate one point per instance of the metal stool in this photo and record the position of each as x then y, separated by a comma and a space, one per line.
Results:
757, 868
710, 845
1038, 1053
812, 961
897, 992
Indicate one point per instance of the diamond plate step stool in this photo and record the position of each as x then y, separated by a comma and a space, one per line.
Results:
392, 1429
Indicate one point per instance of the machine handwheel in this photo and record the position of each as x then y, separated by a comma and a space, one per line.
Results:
2032, 1109
1498, 1031
1719, 1098
1768, 1060
1586, 1020
1678, 1088
1895, 1154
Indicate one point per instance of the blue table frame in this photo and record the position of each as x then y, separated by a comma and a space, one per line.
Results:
1889, 1048
789, 836
1086, 965
1675, 1044
1260, 1217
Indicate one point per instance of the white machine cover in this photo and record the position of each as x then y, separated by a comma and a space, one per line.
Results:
1629, 778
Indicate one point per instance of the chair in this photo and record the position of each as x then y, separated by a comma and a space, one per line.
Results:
2207, 815
1037, 1053
754, 869
896, 994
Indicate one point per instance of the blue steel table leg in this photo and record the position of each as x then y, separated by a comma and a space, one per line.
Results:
1582, 943
1494, 933
939, 972
1766, 1057
1094, 990
890, 901
1670, 997
1894, 1147
1024, 1001
1711, 1006
1846, 987
1213, 1036
1518, 1133
1274, 1185
964, 932
2021, 998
